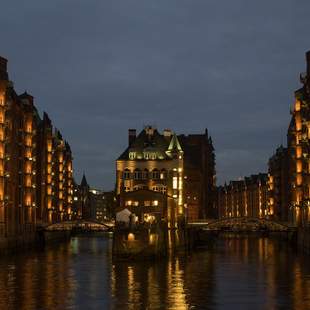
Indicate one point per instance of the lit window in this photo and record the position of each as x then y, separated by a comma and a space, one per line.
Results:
146, 155
132, 155
155, 203
175, 183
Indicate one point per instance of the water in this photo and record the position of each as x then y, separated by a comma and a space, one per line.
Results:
237, 273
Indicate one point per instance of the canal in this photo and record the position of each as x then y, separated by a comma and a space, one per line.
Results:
248, 272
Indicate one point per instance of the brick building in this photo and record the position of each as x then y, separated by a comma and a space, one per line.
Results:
244, 198
35, 165
298, 149
278, 184
167, 176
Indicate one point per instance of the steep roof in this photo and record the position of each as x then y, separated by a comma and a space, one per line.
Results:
154, 142
84, 181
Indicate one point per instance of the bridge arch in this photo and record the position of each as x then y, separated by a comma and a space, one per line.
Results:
242, 224
79, 224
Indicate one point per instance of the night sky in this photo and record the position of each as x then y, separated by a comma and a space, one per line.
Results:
99, 67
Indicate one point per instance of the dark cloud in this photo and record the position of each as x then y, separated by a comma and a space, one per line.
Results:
100, 67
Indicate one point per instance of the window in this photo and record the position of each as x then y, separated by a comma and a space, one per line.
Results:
155, 174
163, 174
175, 183
146, 155
132, 155
160, 188
127, 174
127, 189
137, 174
145, 174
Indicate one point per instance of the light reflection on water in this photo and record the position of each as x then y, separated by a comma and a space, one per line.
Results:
237, 273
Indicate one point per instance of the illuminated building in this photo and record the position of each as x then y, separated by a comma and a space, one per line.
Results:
17, 159
244, 198
278, 190
298, 146
199, 176
92, 204
31, 157
62, 179
149, 176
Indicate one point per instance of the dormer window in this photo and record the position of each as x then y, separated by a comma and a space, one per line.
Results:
149, 155
132, 155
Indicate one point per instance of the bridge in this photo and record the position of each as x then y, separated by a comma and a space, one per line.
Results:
239, 224
80, 225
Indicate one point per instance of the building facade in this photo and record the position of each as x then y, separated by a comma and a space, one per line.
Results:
278, 184
168, 176
298, 148
28, 165
199, 176
92, 204
149, 176
244, 198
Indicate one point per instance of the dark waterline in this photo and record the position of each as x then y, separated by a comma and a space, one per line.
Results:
237, 273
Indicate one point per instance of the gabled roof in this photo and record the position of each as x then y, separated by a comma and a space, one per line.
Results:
154, 142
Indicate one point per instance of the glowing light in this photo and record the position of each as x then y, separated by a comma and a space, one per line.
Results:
131, 237
175, 183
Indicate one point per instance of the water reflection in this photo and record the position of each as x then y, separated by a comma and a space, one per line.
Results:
237, 273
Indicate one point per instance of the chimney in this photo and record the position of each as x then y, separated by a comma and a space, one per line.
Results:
167, 134
131, 136
308, 63
3, 69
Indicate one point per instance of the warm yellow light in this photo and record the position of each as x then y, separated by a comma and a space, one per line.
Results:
298, 122
131, 237
152, 238
298, 151
299, 179
175, 182
299, 166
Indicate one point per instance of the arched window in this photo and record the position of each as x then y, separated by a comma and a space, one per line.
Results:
163, 174
137, 174
145, 174
126, 174
155, 174
132, 155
